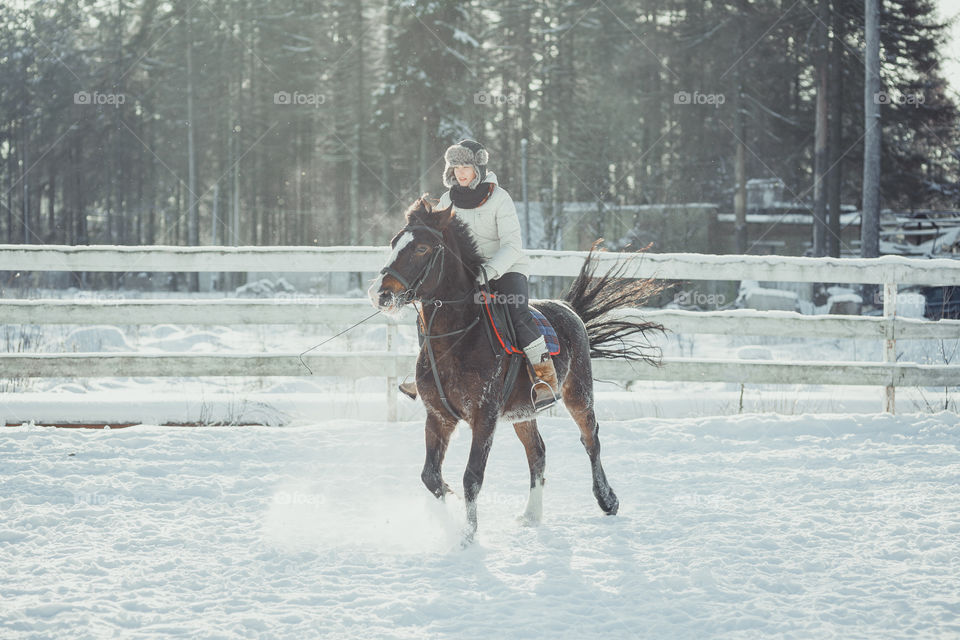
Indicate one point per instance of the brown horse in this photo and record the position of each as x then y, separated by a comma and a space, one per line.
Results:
435, 263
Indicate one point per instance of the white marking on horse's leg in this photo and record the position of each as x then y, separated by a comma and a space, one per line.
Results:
470, 529
534, 512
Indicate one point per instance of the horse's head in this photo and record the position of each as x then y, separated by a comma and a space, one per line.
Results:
414, 268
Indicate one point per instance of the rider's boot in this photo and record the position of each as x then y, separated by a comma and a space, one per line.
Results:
546, 389
409, 389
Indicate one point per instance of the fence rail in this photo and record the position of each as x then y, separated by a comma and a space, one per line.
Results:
672, 266
361, 364
888, 271
294, 310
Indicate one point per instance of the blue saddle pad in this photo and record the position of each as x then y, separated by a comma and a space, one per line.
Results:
549, 333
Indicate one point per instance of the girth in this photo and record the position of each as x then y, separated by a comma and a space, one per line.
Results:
513, 368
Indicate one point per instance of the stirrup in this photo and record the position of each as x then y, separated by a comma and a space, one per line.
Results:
533, 396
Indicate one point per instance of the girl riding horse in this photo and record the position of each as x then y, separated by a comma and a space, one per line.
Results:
490, 215
434, 264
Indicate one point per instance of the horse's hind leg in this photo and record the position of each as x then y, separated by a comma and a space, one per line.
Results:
578, 398
536, 459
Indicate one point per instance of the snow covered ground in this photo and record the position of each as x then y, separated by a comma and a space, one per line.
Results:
825, 526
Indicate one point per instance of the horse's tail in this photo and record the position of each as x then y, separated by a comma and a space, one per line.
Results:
593, 298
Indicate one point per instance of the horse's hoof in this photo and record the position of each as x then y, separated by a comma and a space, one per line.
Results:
529, 520
612, 508
608, 502
448, 493
469, 535
442, 492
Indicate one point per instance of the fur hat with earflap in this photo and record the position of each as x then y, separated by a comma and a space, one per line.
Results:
466, 153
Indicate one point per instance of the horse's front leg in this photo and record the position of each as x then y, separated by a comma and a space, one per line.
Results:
438, 430
483, 428
536, 459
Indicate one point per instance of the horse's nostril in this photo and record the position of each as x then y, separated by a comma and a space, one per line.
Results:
385, 299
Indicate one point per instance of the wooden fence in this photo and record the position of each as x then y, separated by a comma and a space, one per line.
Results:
890, 272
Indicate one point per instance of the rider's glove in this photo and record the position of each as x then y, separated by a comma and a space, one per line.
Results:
487, 273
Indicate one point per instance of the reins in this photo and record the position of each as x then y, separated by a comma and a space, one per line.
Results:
410, 288
411, 292
428, 338
331, 338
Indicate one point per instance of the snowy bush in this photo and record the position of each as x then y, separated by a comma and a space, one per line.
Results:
265, 288
96, 338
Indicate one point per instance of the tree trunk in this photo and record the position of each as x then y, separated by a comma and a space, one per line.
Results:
740, 196
8, 191
424, 160
740, 168
356, 280
820, 134
193, 216
835, 137
26, 186
870, 216
54, 236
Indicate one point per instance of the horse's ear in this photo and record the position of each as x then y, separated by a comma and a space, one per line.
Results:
427, 207
444, 217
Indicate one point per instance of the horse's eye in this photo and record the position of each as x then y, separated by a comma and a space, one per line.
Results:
421, 249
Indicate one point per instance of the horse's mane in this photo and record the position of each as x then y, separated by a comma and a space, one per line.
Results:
424, 212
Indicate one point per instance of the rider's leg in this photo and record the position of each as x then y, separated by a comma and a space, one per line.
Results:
513, 290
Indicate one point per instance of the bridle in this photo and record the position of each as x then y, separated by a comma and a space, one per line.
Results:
412, 288
411, 293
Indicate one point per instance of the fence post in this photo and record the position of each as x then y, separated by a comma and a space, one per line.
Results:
392, 381
890, 341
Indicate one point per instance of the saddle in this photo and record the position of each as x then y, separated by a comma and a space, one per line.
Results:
502, 329
495, 320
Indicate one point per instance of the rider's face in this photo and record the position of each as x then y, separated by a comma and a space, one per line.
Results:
464, 175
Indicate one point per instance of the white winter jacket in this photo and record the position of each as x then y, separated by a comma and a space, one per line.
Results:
496, 228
